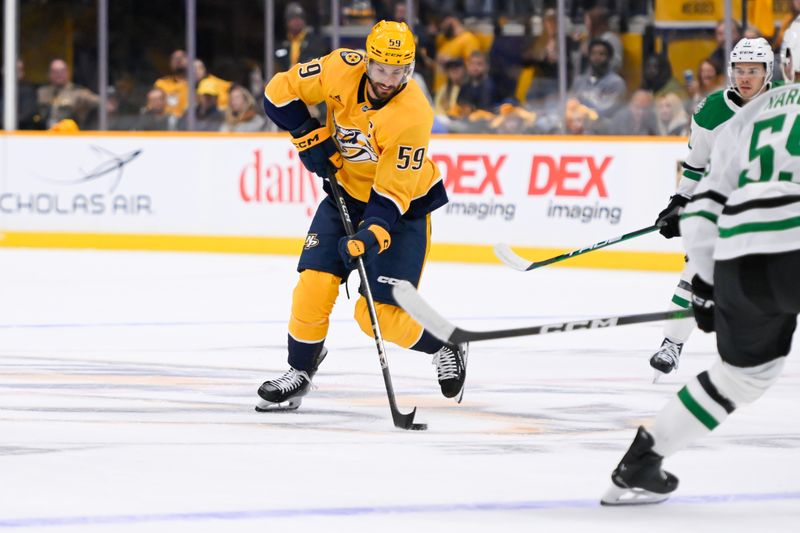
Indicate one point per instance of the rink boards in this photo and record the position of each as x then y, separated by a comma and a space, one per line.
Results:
249, 193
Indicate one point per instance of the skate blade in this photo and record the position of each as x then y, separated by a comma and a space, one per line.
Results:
464, 386
657, 375
263, 406
625, 496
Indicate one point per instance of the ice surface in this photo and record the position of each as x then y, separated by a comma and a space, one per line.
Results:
127, 386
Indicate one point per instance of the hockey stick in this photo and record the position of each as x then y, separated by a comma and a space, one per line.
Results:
410, 300
510, 258
404, 421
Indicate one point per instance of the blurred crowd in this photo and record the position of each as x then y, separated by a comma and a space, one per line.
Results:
474, 84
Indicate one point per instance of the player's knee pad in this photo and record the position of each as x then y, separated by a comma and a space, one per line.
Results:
312, 303
743, 385
397, 326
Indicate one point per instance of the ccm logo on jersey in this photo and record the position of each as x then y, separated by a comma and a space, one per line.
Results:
569, 175
387, 280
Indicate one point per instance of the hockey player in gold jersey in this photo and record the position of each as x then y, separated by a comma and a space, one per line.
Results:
375, 144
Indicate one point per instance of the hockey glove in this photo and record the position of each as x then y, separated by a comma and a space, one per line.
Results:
316, 148
703, 304
372, 239
669, 217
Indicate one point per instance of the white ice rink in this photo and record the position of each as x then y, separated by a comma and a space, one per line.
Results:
128, 380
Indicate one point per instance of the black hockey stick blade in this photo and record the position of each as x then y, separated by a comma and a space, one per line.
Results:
410, 300
406, 421
505, 254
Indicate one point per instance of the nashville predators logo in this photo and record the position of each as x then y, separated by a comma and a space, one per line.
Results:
352, 58
311, 241
354, 145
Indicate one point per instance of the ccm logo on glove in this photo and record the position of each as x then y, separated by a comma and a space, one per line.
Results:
317, 149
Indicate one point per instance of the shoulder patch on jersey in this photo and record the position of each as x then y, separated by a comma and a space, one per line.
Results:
713, 111
351, 58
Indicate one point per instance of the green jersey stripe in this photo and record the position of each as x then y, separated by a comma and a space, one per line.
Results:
751, 227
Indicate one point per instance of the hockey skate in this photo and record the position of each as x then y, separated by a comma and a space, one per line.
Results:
286, 392
666, 359
639, 479
451, 369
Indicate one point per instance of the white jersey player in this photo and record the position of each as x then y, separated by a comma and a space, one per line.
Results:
750, 72
742, 234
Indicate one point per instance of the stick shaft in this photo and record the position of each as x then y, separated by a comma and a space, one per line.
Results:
401, 420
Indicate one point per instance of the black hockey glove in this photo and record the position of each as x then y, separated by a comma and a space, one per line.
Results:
669, 217
703, 304
372, 239
316, 148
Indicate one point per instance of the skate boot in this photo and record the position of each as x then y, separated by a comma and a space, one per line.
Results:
286, 392
639, 479
451, 369
665, 360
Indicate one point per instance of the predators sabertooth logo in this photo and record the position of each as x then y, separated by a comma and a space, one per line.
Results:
354, 145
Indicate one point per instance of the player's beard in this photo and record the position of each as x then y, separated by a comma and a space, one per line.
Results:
382, 95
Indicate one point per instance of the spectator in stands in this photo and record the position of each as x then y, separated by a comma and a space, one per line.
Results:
636, 118
453, 42
718, 56
597, 25
580, 118
478, 89
223, 86
542, 55
28, 117
208, 116
505, 60
446, 99
175, 85
600, 88
751, 32
512, 119
657, 77
301, 43
242, 115
425, 62
61, 99
706, 81
154, 116
672, 118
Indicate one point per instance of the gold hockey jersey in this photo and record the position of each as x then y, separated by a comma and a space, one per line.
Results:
384, 148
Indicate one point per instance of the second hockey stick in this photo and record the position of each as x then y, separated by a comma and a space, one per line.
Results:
510, 258
404, 421
410, 300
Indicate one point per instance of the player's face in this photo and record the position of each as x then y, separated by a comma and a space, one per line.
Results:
385, 80
749, 78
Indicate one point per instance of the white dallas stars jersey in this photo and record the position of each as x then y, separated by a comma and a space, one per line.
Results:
749, 203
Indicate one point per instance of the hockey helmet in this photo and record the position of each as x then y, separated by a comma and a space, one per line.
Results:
755, 50
391, 43
790, 50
